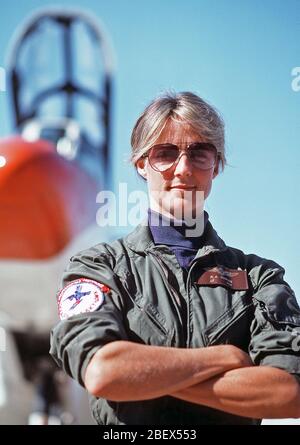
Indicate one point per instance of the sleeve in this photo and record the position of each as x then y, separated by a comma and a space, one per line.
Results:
275, 329
75, 340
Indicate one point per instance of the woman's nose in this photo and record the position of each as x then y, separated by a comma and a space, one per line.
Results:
183, 166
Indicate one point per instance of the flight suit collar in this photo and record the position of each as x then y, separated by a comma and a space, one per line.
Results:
213, 242
140, 240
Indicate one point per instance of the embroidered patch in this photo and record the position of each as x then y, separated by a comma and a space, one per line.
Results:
80, 296
222, 276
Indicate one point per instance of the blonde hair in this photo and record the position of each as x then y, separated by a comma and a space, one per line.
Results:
185, 107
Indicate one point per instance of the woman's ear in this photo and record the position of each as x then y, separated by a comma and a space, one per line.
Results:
216, 170
141, 167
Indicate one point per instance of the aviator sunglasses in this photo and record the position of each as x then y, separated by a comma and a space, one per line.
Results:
162, 157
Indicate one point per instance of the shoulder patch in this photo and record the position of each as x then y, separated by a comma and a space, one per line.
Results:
80, 296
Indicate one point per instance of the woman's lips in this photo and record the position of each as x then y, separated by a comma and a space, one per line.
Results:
182, 187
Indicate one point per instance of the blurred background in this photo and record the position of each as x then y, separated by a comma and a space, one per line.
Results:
242, 57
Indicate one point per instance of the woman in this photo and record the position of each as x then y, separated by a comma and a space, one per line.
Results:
165, 327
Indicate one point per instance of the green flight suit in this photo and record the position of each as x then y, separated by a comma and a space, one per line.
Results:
154, 301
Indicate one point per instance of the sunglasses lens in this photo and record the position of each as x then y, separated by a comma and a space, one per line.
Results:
202, 154
163, 156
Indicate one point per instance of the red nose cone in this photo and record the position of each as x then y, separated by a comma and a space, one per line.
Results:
45, 200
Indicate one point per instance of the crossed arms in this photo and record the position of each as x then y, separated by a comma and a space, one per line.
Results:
221, 377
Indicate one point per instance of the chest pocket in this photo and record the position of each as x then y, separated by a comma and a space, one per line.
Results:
145, 323
147, 326
232, 327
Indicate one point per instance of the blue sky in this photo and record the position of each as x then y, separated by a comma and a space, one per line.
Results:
238, 55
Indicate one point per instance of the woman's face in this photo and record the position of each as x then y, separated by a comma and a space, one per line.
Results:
180, 191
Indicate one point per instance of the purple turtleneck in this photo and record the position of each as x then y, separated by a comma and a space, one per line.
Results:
166, 232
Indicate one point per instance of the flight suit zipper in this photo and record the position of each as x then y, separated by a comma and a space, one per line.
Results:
174, 294
195, 262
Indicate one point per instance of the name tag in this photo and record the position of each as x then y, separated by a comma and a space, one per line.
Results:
223, 276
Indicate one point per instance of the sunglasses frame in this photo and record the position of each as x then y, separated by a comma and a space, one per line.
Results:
208, 145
